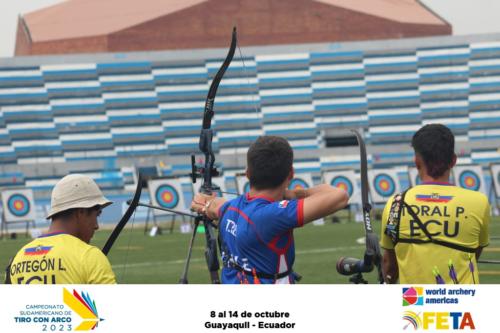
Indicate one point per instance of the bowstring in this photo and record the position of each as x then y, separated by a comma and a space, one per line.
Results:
131, 228
245, 74
250, 92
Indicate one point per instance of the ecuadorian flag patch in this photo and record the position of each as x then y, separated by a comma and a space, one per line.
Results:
434, 197
37, 251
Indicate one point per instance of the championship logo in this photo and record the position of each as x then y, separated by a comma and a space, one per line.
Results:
85, 307
76, 312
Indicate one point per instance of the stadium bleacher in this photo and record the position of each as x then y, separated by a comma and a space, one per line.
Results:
119, 111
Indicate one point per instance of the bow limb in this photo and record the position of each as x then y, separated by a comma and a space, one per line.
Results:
372, 252
212, 91
206, 135
123, 221
208, 171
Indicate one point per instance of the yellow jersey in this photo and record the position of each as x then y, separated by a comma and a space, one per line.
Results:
60, 258
450, 214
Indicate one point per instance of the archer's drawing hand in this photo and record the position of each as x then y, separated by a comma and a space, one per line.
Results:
202, 202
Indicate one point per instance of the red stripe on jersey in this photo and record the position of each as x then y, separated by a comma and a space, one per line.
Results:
300, 212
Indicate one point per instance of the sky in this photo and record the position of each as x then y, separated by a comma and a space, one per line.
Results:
466, 16
9, 11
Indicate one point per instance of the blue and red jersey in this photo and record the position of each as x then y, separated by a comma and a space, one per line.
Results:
257, 237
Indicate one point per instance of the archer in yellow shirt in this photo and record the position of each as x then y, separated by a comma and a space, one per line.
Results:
63, 255
452, 215
60, 258
435, 232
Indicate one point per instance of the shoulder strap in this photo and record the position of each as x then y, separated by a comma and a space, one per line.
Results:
392, 227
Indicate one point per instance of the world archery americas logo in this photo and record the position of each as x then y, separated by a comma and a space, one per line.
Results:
85, 307
413, 296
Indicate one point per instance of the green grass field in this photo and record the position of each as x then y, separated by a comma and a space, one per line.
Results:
139, 258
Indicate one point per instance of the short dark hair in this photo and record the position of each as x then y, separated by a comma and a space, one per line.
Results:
269, 162
435, 144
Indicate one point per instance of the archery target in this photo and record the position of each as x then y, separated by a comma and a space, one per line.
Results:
346, 180
343, 183
242, 184
219, 181
470, 177
414, 177
495, 176
383, 184
167, 196
298, 183
166, 193
18, 205
302, 181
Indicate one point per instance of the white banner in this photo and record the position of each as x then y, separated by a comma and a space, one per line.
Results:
383, 183
495, 176
470, 177
18, 205
346, 180
249, 308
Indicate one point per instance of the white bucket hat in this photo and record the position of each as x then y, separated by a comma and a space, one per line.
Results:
76, 191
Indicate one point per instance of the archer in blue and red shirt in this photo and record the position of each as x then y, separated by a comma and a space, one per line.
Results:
256, 229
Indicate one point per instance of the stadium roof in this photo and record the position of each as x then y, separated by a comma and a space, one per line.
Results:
81, 18
406, 11
84, 18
